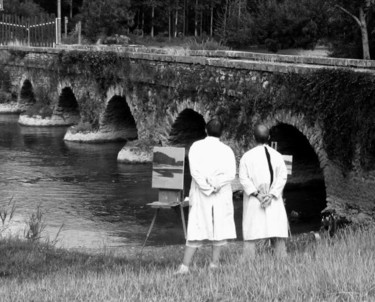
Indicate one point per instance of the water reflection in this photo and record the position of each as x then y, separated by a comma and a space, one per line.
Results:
99, 201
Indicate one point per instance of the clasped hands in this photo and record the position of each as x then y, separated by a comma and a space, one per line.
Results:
264, 199
215, 187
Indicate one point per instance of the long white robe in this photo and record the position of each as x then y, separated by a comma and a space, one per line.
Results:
255, 176
211, 214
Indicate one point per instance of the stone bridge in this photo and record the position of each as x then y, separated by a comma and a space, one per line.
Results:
164, 97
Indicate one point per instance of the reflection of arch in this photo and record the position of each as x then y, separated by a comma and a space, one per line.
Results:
188, 127
67, 101
27, 93
118, 117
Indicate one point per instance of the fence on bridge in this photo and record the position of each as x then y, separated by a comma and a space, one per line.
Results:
34, 31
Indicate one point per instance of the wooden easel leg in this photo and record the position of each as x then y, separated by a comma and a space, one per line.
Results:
183, 220
150, 229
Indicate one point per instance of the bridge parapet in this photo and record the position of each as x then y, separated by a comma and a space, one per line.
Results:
219, 58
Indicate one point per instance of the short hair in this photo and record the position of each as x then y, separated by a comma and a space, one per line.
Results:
214, 127
261, 133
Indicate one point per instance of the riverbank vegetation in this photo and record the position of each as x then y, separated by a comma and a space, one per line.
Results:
339, 269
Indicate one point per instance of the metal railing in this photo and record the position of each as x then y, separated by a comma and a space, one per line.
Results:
35, 31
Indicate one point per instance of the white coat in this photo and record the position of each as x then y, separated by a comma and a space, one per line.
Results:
211, 214
255, 176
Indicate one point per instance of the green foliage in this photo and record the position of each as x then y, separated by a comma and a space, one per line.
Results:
89, 108
41, 96
344, 34
22, 8
5, 81
344, 102
209, 44
16, 55
289, 23
104, 17
107, 68
35, 225
236, 26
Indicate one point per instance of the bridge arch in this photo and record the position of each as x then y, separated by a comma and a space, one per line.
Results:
313, 134
26, 94
306, 190
67, 101
118, 117
188, 127
178, 121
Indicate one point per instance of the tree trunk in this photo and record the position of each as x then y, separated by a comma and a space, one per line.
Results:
201, 22
364, 34
143, 23
176, 23
152, 21
225, 19
71, 9
361, 21
169, 23
212, 21
196, 19
184, 20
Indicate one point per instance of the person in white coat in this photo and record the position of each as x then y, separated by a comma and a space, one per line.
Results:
211, 215
263, 175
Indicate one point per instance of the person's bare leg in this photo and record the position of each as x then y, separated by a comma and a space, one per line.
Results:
280, 247
188, 255
249, 248
216, 252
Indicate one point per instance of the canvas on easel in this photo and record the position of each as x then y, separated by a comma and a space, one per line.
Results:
168, 174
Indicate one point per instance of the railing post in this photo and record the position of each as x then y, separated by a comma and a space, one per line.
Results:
58, 23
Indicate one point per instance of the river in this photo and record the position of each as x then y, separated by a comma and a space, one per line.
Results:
100, 203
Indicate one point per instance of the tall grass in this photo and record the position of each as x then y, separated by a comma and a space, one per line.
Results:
342, 269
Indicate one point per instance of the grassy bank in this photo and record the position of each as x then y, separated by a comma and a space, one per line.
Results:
342, 269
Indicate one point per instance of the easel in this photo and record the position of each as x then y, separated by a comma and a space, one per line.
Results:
168, 177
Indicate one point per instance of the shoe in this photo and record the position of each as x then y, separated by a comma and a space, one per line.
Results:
213, 266
182, 270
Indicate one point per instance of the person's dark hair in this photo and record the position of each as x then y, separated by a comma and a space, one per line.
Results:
261, 134
214, 127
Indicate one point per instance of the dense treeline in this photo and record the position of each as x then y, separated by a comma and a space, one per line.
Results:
347, 25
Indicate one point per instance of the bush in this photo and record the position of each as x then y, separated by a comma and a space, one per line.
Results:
39, 109
209, 44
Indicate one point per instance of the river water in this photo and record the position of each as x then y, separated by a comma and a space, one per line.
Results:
99, 202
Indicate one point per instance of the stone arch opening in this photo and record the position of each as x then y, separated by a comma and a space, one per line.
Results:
67, 101
305, 191
119, 118
27, 93
188, 127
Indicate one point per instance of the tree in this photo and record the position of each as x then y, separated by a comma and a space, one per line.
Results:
153, 4
104, 17
236, 25
290, 23
26, 8
358, 10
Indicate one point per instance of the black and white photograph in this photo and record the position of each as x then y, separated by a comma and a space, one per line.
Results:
187, 150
